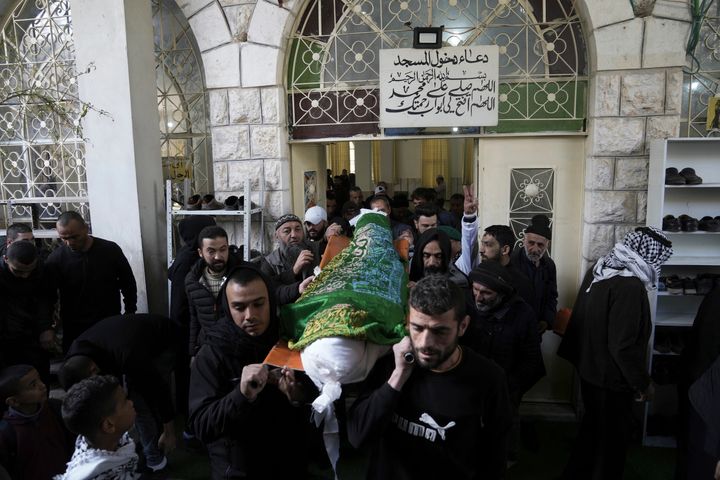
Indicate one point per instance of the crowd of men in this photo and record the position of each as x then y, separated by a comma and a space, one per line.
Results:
477, 309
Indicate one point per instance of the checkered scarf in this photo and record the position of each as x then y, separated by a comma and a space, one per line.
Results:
641, 255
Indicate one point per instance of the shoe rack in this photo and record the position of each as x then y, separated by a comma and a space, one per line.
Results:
696, 256
175, 211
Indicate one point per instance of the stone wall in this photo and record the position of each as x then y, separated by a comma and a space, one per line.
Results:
635, 96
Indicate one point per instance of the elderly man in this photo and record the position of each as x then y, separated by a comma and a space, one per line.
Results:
534, 261
607, 341
504, 330
445, 414
290, 266
90, 273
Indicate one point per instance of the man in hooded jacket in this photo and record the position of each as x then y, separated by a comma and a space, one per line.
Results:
254, 421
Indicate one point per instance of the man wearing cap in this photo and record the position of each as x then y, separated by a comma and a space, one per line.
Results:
607, 341
503, 329
290, 266
315, 226
534, 261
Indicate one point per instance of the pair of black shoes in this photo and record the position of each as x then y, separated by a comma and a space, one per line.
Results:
686, 176
683, 223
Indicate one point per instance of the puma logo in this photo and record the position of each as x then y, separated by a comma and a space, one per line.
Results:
427, 419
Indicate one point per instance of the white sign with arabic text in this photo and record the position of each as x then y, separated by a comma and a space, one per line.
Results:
446, 87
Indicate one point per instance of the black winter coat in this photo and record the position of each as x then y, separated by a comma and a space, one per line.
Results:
508, 336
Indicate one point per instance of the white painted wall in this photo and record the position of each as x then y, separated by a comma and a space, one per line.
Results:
124, 174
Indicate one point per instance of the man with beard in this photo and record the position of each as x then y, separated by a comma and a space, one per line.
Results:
503, 329
316, 224
534, 261
240, 408
203, 282
90, 274
445, 413
432, 255
290, 266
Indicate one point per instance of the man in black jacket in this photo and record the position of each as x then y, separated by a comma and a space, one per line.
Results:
240, 408
607, 341
203, 283
290, 266
138, 349
185, 258
90, 273
446, 414
27, 301
533, 260
503, 329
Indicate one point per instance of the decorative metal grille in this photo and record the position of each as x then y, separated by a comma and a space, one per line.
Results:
41, 152
531, 193
182, 100
333, 69
702, 77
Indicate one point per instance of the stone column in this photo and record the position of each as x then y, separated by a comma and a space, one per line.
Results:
124, 173
635, 97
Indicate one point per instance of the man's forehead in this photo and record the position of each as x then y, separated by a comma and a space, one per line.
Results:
431, 218
291, 225
482, 288
533, 237
417, 317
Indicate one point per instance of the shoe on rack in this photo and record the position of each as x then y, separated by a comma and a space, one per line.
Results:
709, 224
193, 203
689, 286
662, 344
672, 177
688, 223
674, 285
231, 203
690, 177
670, 224
209, 203
677, 345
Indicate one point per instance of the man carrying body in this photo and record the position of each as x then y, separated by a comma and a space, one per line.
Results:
426, 217
607, 341
537, 265
90, 273
290, 266
445, 415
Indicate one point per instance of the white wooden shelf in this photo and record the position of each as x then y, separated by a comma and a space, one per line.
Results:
693, 187
671, 319
699, 232
694, 261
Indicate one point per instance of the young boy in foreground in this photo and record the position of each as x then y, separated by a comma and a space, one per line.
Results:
98, 410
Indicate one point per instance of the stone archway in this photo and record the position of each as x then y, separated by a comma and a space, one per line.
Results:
635, 96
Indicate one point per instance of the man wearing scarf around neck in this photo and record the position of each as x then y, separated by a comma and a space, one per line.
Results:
606, 339
255, 422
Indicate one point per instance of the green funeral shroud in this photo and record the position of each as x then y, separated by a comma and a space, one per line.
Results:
361, 294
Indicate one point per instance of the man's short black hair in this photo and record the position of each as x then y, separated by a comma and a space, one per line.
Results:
22, 252
10, 381
211, 231
435, 295
330, 195
243, 275
14, 230
457, 196
381, 198
65, 218
75, 369
88, 403
355, 188
426, 210
503, 234
428, 195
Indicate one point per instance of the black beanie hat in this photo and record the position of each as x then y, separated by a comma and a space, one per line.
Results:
492, 275
540, 225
